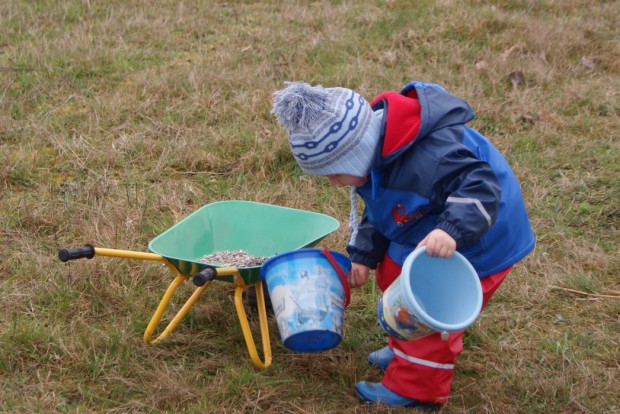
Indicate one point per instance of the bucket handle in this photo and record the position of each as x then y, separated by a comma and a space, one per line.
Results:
341, 275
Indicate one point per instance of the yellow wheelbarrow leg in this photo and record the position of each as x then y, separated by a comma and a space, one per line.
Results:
245, 326
163, 304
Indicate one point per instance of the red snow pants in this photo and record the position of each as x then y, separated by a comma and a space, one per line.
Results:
423, 368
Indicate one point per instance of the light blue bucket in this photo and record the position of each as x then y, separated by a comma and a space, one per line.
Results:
309, 292
432, 294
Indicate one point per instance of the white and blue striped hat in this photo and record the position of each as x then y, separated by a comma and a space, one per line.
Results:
330, 130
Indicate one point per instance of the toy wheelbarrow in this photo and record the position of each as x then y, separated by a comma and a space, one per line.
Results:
262, 230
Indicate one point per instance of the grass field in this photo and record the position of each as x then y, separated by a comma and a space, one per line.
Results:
119, 118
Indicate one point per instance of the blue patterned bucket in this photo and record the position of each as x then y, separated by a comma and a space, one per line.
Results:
308, 293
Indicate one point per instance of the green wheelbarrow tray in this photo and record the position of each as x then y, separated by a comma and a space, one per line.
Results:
262, 230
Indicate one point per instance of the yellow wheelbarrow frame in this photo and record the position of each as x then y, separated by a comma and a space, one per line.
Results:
204, 279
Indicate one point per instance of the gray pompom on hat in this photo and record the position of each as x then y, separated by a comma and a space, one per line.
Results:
330, 130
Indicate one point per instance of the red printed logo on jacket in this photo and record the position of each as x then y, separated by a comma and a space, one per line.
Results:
400, 216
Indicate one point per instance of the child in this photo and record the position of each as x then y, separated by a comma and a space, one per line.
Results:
426, 179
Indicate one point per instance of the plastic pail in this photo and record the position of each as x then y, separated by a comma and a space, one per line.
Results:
308, 295
432, 294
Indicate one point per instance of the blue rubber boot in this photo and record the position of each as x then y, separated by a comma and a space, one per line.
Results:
375, 392
381, 358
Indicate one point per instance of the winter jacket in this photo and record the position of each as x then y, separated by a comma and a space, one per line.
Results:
434, 172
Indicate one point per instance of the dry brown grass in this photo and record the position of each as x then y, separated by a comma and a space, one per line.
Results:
118, 119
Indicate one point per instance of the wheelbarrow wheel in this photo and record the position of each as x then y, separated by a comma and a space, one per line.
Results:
250, 296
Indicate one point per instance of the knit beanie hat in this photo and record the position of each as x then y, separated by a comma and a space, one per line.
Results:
330, 130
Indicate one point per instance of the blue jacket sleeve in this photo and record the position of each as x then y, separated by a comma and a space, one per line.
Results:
470, 193
369, 246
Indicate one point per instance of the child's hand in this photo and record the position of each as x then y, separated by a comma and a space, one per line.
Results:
358, 275
439, 244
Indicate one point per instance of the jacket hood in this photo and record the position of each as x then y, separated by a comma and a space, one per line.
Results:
414, 113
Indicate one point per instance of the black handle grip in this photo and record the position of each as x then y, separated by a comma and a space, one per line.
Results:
86, 251
205, 275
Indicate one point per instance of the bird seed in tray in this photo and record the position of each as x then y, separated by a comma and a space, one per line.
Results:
233, 258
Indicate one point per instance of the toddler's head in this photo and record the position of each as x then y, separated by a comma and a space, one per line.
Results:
330, 130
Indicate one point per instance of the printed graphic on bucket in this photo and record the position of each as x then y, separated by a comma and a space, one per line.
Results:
308, 298
396, 319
